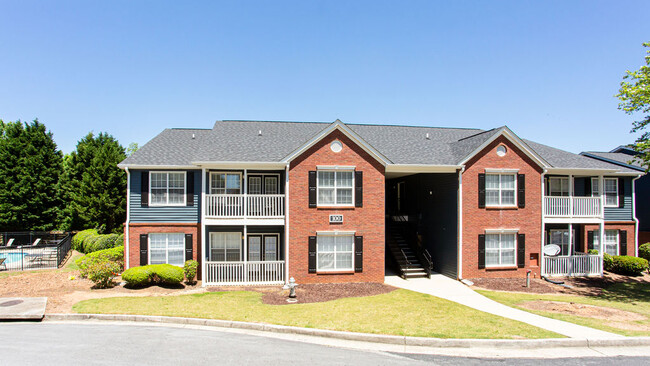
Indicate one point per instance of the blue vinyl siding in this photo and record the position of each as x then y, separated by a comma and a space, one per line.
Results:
624, 213
184, 214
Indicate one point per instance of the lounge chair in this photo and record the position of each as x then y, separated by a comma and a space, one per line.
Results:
2, 263
11, 241
36, 242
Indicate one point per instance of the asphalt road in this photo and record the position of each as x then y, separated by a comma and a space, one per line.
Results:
110, 344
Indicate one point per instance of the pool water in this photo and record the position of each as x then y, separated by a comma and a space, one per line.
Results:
12, 257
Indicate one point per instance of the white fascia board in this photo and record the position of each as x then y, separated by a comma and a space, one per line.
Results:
421, 168
588, 171
240, 164
347, 132
156, 167
507, 133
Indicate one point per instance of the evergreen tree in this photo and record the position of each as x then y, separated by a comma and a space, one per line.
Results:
93, 187
30, 166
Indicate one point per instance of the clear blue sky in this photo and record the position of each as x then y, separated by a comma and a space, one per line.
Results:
547, 69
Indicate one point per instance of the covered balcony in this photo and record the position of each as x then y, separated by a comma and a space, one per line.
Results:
577, 197
567, 250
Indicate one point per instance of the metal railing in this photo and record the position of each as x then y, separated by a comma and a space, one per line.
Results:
21, 251
572, 206
244, 273
244, 206
573, 265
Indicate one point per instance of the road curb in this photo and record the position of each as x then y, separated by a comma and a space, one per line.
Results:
365, 337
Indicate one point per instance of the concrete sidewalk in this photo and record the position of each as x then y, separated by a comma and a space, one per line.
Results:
449, 289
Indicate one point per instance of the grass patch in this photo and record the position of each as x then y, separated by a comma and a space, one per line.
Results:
71, 265
632, 297
400, 312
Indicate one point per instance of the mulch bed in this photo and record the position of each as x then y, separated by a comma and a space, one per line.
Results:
587, 286
309, 293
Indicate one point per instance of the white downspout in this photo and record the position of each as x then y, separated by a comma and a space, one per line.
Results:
460, 222
128, 216
636, 221
204, 238
286, 224
542, 264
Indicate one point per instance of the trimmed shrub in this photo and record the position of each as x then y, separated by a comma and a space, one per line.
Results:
190, 268
102, 273
625, 265
644, 251
92, 242
113, 254
89, 242
608, 262
592, 251
153, 273
78, 239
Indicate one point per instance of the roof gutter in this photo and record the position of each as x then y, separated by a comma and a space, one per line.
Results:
422, 168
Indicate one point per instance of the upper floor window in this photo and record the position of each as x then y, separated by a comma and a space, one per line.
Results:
500, 189
558, 186
611, 192
167, 188
335, 187
225, 183
595, 187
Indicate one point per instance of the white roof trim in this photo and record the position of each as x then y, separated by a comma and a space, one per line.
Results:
346, 131
156, 167
507, 133
240, 164
421, 168
590, 171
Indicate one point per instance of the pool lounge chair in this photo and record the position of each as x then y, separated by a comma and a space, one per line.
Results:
36, 242
10, 242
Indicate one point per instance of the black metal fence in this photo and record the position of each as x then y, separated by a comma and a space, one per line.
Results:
33, 250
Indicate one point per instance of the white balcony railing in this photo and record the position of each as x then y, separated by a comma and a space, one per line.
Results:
572, 206
244, 206
575, 265
244, 273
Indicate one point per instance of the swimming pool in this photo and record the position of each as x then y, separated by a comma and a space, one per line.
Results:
12, 257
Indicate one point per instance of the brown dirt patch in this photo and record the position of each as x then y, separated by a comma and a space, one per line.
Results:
308, 293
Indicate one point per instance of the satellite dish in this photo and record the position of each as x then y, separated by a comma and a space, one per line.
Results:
552, 250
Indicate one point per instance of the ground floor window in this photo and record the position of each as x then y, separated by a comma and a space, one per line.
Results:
560, 237
167, 248
500, 249
225, 247
263, 247
335, 252
611, 242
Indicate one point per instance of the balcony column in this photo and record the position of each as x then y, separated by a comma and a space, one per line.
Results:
601, 245
203, 254
601, 193
571, 249
244, 183
571, 213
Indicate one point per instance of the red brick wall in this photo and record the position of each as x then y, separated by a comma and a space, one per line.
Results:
628, 226
476, 220
136, 229
367, 221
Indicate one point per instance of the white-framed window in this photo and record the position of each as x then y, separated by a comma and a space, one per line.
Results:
500, 189
611, 192
167, 248
225, 246
611, 242
335, 187
500, 249
560, 237
225, 183
334, 252
558, 186
595, 188
167, 188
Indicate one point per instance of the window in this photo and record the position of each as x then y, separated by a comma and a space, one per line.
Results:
560, 237
335, 188
595, 189
611, 242
167, 189
500, 189
611, 192
334, 252
271, 185
225, 183
167, 248
558, 186
500, 249
225, 247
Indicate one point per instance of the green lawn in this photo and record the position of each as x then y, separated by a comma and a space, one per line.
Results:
633, 297
400, 312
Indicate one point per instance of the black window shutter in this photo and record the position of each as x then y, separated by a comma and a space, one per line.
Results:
521, 250
481, 190
189, 190
521, 190
621, 192
189, 255
590, 239
312, 254
358, 189
358, 253
481, 251
144, 189
622, 242
587, 187
144, 249
312, 189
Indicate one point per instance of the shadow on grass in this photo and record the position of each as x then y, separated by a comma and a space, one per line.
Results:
622, 289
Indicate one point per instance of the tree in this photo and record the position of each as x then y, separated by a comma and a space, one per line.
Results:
93, 186
635, 98
30, 166
133, 147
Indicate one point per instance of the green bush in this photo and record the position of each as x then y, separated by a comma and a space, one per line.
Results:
153, 273
102, 273
90, 241
78, 239
644, 251
113, 254
190, 268
592, 251
625, 265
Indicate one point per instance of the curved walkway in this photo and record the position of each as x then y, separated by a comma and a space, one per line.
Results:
449, 289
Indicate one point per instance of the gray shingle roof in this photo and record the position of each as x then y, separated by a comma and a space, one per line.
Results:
241, 141
621, 158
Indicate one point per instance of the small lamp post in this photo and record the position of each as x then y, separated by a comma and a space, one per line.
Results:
291, 286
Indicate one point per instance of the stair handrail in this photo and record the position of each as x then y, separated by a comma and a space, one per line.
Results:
408, 264
424, 256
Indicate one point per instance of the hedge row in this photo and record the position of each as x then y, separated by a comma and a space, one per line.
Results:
624, 265
644, 251
89, 241
106, 255
153, 273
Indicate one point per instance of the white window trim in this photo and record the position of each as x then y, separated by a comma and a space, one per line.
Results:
501, 171
241, 182
277, 250
262, 175
184, 203
618, 242
166, 247
319, 204
595, 193
225, 248
605, 192
335, 233
500, 190
501, 232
